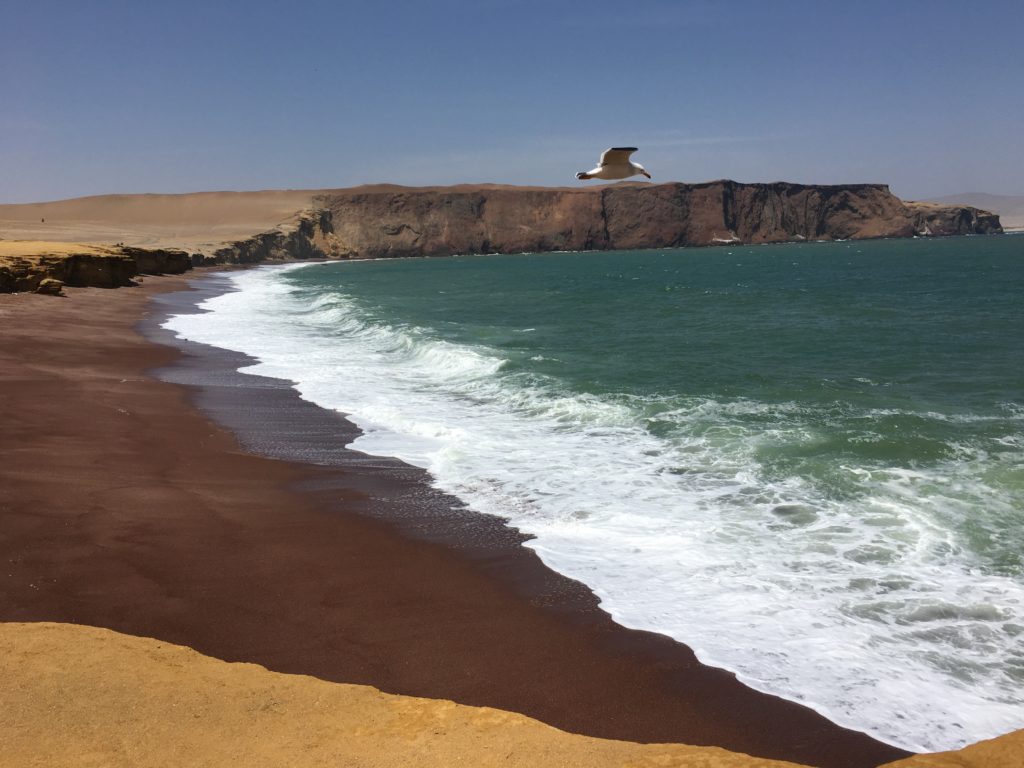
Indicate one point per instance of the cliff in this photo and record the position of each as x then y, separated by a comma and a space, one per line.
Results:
121, 700
1009, 208
385, 221
45, 267
301, 237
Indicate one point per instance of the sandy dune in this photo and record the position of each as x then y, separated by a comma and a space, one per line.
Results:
14, 249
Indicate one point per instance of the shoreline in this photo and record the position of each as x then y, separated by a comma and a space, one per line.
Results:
132, 510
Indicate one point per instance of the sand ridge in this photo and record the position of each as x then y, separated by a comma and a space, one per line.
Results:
12, 249
118, 700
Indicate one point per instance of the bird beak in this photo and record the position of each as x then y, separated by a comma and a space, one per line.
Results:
647, 174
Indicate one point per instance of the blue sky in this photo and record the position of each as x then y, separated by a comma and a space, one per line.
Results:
106, 96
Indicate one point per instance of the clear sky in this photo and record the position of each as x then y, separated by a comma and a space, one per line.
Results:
100, 96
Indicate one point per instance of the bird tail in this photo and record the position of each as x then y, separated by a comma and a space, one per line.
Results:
581, 175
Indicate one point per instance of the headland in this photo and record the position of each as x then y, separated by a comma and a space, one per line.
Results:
168, 233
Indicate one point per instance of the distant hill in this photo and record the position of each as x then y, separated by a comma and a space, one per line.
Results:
1009, 208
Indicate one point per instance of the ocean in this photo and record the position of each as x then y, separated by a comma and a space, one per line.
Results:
804, 461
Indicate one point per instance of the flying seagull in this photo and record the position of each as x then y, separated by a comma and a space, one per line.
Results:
614, 164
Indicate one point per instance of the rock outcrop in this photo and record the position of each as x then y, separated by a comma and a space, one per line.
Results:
933, 219
90, 266
159, 261
301, 238
33, 265
48, 286
387, 221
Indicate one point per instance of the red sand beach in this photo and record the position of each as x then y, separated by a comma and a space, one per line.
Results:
125, 506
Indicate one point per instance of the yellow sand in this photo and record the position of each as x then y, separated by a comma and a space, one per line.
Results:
81, 696
11, 249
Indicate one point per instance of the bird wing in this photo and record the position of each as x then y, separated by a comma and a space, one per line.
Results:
616, 155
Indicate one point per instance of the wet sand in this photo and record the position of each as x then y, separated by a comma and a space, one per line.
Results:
125, 506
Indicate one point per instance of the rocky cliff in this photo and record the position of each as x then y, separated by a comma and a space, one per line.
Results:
302, 237
29, 265
383, 221
386, 220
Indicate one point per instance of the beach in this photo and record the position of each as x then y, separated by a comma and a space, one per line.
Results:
362, 407
128, 508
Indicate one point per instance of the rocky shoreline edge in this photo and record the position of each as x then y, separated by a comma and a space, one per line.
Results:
386, 221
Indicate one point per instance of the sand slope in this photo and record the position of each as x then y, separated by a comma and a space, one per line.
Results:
117, 700
81, 696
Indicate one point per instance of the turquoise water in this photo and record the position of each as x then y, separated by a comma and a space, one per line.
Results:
806, 461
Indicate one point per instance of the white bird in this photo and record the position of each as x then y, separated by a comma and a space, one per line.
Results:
615, 164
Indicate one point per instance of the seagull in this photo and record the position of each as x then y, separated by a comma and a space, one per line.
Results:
614, 164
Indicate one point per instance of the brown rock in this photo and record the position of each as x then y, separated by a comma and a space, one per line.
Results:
303, 238
932, 219
25, 264
389, 220
159, 261
112, 270
401, 221
50, 286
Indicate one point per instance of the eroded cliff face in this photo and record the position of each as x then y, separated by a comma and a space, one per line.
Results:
29, 265
934, 219
401, 221
302, 237
387, 220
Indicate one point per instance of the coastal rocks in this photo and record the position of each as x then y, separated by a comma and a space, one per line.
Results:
95, 270
159, 261
101, 270
440, 222
932, 219
392, 221
28, 265
389, 221
8, 280
50, 287
303, 238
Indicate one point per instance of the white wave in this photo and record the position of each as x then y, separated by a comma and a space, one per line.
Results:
868, 607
